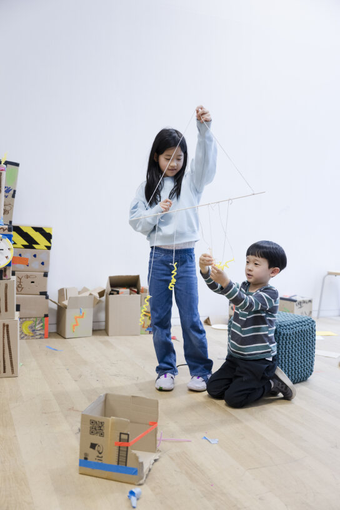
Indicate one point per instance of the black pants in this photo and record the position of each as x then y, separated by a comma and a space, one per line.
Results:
240, 382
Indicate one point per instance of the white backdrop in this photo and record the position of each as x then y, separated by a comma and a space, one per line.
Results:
85, 86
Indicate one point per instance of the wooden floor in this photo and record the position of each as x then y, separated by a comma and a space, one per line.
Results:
274, 455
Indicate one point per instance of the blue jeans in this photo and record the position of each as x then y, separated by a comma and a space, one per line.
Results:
186, 295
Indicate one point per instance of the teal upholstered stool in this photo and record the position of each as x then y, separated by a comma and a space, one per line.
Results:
295, 337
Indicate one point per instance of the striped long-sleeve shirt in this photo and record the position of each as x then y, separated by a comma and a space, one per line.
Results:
251, 335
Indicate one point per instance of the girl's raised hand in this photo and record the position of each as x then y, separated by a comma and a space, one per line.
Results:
202, 114
165, 205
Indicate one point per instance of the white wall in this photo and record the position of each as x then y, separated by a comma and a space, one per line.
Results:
85, 86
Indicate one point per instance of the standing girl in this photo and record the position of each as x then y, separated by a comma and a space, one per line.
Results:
172, 239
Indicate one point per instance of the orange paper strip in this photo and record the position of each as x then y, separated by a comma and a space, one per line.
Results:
154, 425
20, 260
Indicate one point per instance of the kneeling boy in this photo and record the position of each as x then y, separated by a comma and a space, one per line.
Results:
250, 370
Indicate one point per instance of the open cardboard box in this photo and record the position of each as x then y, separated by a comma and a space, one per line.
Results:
113, 419
122, 311
75, 311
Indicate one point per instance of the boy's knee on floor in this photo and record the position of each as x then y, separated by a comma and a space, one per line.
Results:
232, 401
213, 391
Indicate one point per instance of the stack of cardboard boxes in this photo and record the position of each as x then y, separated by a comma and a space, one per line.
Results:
32, 247
9, 329
9, 320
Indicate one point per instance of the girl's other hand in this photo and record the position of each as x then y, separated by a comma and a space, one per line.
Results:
165, 205
205, 261
202, 114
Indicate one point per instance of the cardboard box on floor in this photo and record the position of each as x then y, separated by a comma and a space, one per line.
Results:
75, 311
122, 311
9, 352
113, 419
296, 304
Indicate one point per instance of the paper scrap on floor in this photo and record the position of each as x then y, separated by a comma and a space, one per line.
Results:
327, 354
326, 333
212, 441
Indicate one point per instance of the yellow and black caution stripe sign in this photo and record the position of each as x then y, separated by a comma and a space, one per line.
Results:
32, 238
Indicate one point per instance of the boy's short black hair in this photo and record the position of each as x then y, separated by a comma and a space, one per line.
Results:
270, 251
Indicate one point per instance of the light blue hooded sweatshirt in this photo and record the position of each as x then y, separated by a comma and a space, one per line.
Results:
181, 227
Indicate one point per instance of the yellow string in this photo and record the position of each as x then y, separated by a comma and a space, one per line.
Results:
144, 308
173, 279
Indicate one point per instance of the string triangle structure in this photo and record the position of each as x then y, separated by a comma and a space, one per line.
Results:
209, 205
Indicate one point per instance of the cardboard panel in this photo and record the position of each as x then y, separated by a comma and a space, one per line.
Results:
75, 322
122, 312
32, 238
38, 260
33, 306
31, 328
12, 170
32, 283
7, 299
122, 315
9, 348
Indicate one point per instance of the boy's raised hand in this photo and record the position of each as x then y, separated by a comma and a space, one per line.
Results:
202, 114
205, 261
219, 276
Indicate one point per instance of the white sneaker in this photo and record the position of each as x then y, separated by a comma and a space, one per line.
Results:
197, 384
165, 382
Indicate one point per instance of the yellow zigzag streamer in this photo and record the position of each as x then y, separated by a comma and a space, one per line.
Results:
220, 266
144, 312
173, 279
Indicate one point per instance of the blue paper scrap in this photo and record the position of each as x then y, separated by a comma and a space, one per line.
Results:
212, 441
53, 349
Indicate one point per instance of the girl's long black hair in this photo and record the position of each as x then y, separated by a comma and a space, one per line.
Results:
166, 139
